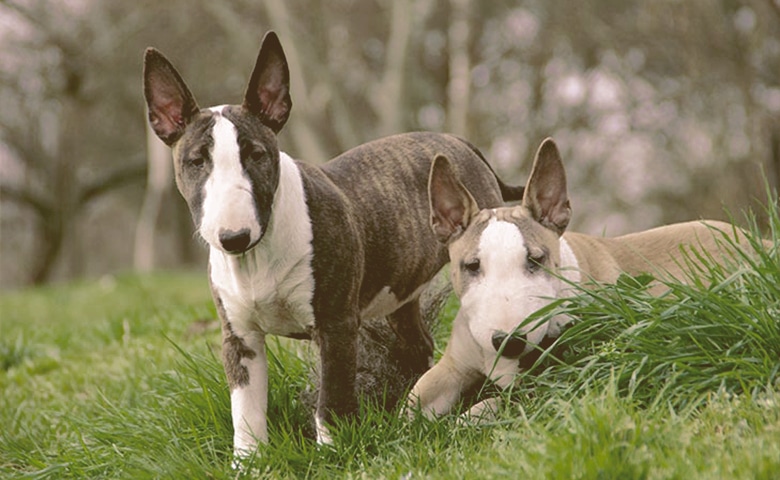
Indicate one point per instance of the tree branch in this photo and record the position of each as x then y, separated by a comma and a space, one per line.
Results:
306, 140
459, 87
118, 177
23, 196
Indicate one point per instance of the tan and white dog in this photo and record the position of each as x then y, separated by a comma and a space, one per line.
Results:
507, 263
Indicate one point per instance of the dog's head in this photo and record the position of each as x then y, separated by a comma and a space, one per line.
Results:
503, 260
226, 159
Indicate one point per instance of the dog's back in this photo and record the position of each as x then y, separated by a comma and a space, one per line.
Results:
385, 185
669, 252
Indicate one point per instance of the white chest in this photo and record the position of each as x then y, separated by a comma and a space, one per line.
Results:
270, 288
258, 296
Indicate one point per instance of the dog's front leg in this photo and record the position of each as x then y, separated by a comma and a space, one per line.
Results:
338, 356
246, 367
440, 388
483, 412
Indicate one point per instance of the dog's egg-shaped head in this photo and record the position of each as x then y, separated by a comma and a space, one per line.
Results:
226, 158
505, 261
503, 271
228, 171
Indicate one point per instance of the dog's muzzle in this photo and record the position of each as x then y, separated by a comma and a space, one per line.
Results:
513, 345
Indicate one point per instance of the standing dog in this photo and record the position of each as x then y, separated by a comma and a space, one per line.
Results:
509, 262
302, 251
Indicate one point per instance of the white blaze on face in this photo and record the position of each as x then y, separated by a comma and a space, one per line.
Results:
505, 292
228, 204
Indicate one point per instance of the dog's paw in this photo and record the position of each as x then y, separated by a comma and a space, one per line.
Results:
409, 410
243, 463
323, 434
483, 412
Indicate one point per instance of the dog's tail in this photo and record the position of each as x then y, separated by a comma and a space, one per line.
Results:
510, 193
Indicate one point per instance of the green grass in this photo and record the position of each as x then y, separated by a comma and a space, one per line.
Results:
108, 379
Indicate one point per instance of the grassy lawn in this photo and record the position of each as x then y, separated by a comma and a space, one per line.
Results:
120, 378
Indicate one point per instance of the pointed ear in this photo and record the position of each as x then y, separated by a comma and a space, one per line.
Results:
545, 194
268, 92
170, 103
452, 206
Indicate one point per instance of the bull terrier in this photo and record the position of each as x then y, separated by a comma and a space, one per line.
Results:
507, 263
299, 250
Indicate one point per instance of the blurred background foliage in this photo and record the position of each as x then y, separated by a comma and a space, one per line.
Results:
664, 111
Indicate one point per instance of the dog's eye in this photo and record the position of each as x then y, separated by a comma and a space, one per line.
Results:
472, 266
536, 261
258, 156
198, 159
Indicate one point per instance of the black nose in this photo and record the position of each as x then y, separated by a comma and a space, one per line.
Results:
235, 242
514, 346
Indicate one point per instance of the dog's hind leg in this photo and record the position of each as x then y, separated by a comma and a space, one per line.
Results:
416, 341
338, 356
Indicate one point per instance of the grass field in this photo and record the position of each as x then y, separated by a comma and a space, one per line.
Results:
120, 378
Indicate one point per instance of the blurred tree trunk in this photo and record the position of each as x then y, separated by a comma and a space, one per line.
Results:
459, 86
388, 99
57, 210
306, 141
344, 120
159, 177
774, 155
50, 229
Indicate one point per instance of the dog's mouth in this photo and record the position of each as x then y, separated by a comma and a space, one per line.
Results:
241, 253
509, 345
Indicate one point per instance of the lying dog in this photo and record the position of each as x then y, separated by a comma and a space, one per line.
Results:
299, 250
507, 263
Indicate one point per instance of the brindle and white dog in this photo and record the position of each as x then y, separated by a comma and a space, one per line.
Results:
300, 250
507, 263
